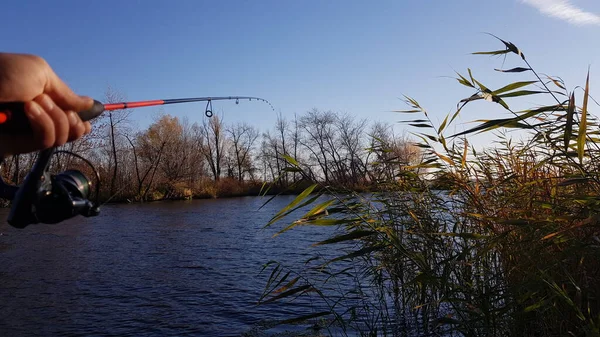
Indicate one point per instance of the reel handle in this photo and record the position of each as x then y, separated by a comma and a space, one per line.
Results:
14, 121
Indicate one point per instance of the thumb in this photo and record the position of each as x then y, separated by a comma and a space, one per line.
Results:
63, 96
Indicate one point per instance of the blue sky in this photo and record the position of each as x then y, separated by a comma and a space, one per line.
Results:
351, 56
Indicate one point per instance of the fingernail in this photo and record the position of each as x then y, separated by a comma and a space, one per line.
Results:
73, 119
87, 99
47, 103
88, 128
35, 110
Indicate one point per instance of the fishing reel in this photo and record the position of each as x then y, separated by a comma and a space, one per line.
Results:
50, 198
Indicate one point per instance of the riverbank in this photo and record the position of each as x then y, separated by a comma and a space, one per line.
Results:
233, 189
224, 188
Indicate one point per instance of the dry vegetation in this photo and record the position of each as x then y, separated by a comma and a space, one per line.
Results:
510, 249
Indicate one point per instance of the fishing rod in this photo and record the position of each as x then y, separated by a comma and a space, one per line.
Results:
14, 121
50, 199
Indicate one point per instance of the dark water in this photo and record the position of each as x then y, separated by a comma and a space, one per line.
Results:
162, 269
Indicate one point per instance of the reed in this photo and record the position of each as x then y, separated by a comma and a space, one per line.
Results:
510, 247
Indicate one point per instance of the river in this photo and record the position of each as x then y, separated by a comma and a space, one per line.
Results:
155, 269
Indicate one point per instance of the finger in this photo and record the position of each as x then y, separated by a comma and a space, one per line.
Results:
76, 127
58, 116
64, 96
88, 127
43, 132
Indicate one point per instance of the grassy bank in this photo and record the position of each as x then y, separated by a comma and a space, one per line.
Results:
227, 188
224, 188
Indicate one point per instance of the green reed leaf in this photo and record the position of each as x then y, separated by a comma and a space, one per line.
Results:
299, 290
513, 70
497, 123
296, 201
495, 52
443, 125
407, 111
511, 47
421, 125
569, 124
301, 319
291, 160
355, 254
521, 93
583, 121
558, 83
287, 286
320, 208
462, 80
513, 86
471, 75
356, 234
429, 136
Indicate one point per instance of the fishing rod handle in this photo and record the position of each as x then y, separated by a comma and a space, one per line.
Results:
14, 121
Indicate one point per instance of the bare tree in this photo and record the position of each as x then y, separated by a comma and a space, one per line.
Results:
214, 144
294, 135
113, 123
272, 152
243, 137
351, 135
380, 139
281, 127
196, 146
142, 173
317, 127
264, 157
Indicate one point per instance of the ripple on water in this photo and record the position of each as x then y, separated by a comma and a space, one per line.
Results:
159, 269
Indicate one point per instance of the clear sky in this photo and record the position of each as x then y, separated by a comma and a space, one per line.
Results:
358, 57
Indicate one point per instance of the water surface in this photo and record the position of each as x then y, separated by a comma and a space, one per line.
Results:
156, 269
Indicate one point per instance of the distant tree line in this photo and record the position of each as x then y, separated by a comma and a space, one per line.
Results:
174, 158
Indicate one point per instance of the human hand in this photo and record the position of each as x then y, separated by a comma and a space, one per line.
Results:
50, 105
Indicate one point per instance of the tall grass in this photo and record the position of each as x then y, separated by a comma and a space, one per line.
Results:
511, 248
